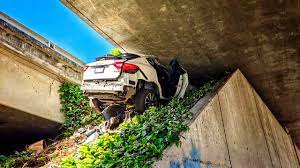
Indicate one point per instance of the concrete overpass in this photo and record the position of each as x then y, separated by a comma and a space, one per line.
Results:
31, 71
262, 38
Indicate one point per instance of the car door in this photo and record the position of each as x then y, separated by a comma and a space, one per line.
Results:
182, 85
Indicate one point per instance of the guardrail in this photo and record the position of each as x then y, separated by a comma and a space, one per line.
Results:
41, 39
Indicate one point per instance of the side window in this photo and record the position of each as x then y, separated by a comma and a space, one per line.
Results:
155, 61
150, 60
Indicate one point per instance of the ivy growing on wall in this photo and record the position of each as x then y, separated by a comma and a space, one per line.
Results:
77, 112
76, 108
142, 140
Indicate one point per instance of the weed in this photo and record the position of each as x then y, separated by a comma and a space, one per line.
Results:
142, 140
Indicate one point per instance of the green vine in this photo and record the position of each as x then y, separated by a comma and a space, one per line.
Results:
142, 140
77, 112
15, 160
76, 108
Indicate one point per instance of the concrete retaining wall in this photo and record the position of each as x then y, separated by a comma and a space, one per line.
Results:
235, 129
27, 89
30, 75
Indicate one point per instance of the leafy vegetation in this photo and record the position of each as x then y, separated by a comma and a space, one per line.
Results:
139, 143
77, 112
142, 140
76, 108
15, 160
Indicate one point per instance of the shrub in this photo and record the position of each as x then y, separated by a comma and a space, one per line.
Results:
76, 108
142, 140
16, 160
77, 112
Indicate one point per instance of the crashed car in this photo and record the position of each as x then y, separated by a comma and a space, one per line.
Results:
132, 79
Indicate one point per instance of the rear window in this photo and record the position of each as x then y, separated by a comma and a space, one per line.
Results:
127, 56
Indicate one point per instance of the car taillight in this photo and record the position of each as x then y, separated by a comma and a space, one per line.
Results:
129, 67
118, 65
126, 67
85, 68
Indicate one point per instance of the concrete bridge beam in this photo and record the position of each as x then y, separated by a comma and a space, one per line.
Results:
30, 75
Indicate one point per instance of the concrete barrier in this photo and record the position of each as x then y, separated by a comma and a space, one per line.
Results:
234, 129
30, 75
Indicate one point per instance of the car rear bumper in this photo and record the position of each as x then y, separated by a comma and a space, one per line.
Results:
102, 87
107, 97
119, 93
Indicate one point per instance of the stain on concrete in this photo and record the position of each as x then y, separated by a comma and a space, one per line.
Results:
194, 160
191, 160
174, 164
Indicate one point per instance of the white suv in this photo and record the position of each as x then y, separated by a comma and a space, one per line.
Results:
132, 79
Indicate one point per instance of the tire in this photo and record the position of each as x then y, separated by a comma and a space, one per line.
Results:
144, 99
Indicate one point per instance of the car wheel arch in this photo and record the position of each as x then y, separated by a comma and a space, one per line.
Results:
142, 84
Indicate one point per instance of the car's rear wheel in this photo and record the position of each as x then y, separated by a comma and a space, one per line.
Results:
144, 99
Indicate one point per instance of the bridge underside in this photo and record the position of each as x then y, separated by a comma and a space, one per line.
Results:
19, 128
259, 37
29, 101
30, 76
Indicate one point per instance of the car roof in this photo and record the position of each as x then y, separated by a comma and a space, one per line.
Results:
148, 56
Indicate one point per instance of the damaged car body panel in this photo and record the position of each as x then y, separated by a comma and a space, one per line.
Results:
132, 79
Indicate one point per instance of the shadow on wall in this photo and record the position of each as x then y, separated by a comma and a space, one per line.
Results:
191, 161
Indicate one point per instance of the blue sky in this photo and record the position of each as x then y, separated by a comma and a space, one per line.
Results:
57, 23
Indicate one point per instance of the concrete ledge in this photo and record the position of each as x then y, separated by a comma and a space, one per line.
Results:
38, 53
232, 128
